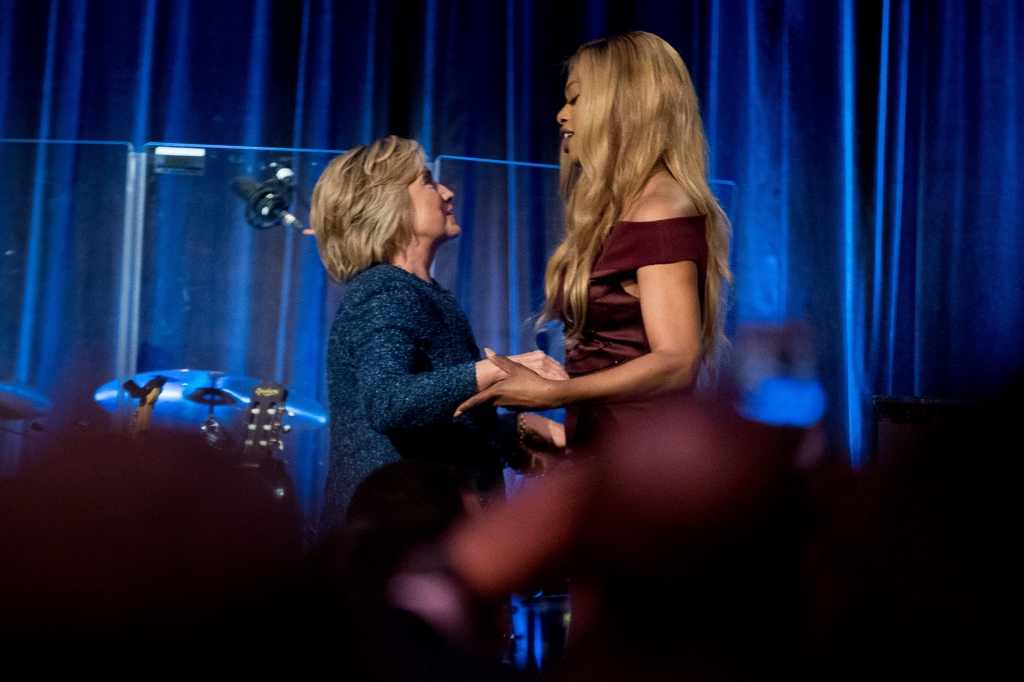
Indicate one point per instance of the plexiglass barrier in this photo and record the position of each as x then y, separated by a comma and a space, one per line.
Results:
188, 265
233, 290
62, 228
512, 221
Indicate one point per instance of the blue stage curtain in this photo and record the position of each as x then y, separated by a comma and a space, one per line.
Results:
874, 146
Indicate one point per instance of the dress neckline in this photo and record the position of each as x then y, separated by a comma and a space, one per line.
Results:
699, 216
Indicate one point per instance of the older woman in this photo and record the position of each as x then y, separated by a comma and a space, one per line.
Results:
401, 354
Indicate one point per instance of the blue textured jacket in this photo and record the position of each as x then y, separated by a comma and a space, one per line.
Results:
400, 359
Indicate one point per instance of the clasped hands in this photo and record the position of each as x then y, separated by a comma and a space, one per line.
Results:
528, 382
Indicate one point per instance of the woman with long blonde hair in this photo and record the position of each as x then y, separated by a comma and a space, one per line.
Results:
640, 278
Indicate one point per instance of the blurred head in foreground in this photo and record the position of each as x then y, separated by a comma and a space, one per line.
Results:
698, 547
151, 545
397, 509
395, 523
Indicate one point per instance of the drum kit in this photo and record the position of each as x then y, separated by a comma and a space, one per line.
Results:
18, 401
184, 398
244, 418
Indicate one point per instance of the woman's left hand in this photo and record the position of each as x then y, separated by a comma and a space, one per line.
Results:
523, 388
543, 433
542, 441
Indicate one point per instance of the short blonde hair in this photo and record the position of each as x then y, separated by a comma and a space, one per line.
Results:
361, 210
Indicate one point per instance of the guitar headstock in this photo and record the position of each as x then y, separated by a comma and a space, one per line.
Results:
263, 422
146, 395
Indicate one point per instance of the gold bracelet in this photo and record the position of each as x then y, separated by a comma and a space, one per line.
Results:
519, 456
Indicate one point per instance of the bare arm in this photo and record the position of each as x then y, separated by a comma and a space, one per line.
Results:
670, 306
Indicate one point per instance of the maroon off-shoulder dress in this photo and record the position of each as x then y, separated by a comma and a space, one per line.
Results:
614, 331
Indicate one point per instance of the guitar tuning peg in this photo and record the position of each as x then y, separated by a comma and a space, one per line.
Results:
286, 428
290, 413
280, 445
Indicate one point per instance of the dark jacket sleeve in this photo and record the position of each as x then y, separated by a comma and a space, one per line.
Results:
396, 398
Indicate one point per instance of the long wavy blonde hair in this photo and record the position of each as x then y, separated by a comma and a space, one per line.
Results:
637, 113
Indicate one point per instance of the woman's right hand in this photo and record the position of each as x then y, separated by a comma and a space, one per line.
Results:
521, 389
541, 363
488, 373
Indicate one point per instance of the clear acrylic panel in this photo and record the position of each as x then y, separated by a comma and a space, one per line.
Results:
725, 192
62, 228
512, 221
236, 304
189, 263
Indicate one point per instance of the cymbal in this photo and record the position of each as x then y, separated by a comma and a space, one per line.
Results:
188, 395
214, 397
18, 401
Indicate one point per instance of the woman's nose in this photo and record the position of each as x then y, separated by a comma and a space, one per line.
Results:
562, 117
446, 193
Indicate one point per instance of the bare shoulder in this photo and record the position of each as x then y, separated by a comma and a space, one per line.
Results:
662, 197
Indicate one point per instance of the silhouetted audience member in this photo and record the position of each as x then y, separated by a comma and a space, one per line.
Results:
929, 578
117, 550
398, 516
682, 546
160, 554
397, 509
698, 549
